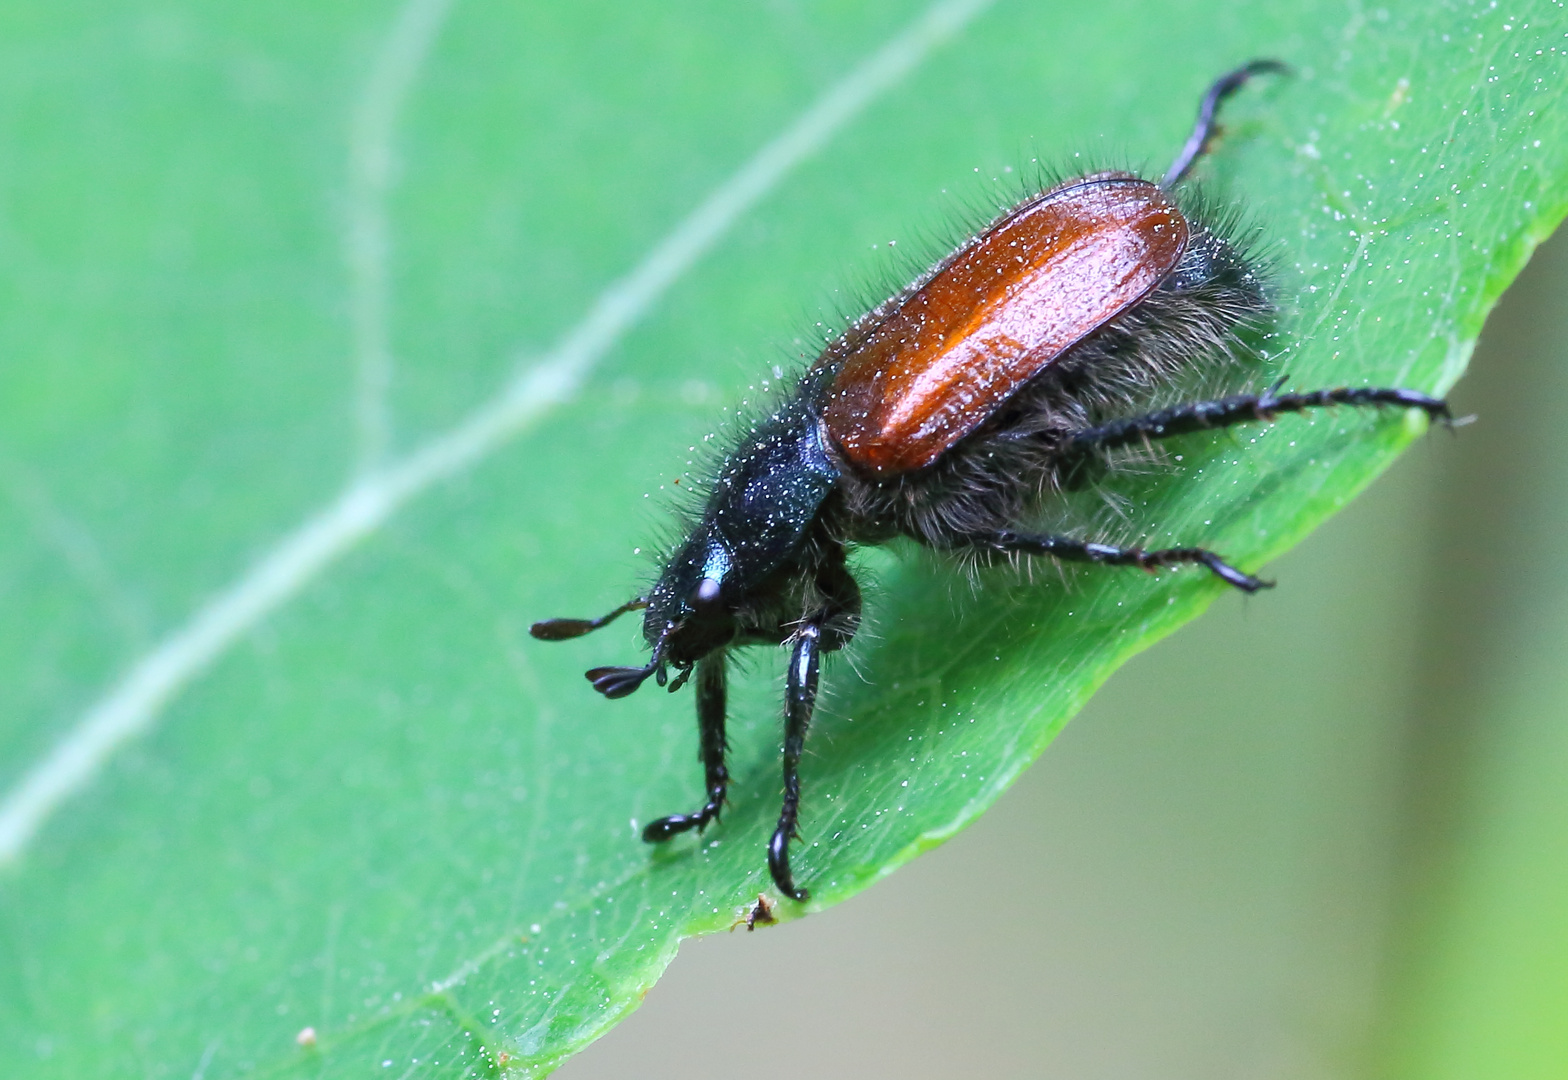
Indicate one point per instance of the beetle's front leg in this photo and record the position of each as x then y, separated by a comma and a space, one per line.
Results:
800, 700
710, 732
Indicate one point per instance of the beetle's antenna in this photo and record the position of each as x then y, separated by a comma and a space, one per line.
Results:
1205, 129
565, 629
617, 682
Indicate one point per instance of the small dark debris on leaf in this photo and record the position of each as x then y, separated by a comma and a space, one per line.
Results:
760, 912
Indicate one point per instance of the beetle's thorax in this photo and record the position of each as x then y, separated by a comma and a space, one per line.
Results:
722, 583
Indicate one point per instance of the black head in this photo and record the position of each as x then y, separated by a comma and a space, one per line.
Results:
721, 584
691, 611
689, 615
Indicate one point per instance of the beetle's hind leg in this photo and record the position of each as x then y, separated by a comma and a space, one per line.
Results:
1240, 409
710, 731
1071, 549
1078, 448
1204, 130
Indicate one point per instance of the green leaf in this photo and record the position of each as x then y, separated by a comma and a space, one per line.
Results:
278, 752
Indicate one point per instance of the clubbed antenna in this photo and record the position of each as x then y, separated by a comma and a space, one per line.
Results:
566, 629
617, 682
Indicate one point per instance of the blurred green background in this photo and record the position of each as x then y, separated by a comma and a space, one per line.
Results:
1321, 832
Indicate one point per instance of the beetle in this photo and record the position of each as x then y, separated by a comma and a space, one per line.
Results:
951, 413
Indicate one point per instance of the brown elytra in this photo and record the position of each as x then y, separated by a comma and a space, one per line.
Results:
995, 314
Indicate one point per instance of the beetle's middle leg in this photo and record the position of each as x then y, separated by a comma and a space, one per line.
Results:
710, 731
1071, 549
